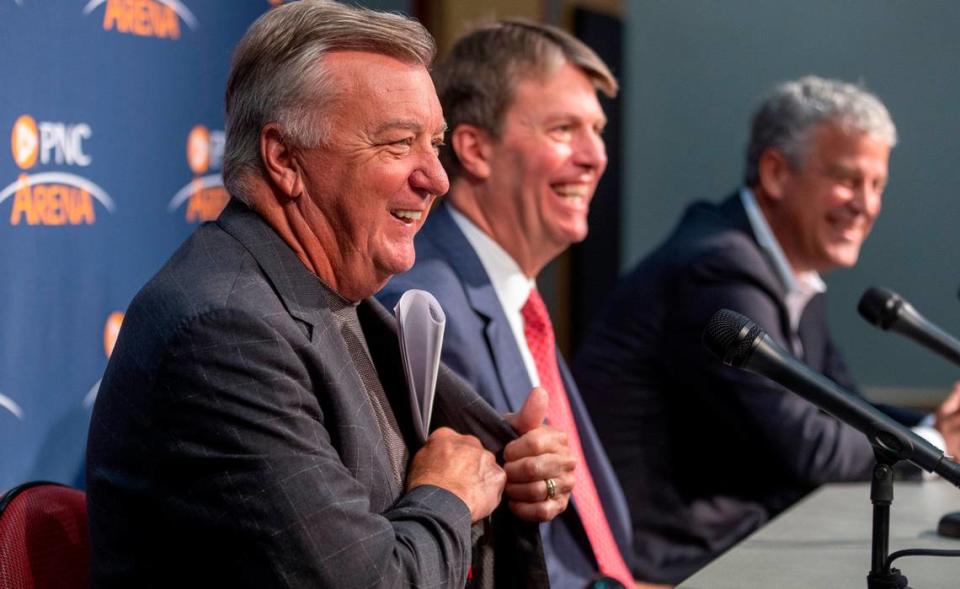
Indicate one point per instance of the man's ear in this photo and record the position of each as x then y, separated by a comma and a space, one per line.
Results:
473, 147
774, 169
278, 159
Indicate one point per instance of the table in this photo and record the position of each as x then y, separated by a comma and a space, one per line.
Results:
824, 541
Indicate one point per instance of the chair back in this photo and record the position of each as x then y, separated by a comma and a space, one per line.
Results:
44, 540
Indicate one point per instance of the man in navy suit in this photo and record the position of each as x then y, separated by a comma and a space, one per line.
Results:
707, 453
524, 156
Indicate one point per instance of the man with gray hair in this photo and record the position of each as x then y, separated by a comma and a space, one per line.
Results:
253, 428
815, 173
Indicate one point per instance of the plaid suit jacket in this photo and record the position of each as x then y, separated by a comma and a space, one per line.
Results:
232, 443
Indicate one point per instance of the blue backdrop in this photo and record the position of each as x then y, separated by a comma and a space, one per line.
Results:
114, 112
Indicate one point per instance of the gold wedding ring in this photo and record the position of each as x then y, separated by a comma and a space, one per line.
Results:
551, 488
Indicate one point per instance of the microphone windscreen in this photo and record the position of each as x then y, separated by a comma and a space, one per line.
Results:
879, 306
731, 337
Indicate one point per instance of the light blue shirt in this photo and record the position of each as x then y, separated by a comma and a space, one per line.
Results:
799, 288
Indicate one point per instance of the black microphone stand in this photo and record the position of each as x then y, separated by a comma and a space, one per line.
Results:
882, 576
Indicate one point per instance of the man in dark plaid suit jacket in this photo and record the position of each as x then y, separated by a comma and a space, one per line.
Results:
253, 428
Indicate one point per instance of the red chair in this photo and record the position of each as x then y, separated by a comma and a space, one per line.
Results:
44, 541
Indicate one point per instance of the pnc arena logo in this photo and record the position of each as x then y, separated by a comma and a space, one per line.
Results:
144, 18
52, 197
205, 195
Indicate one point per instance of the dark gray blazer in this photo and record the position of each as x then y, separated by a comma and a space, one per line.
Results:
232, 444
479, 346
707, 453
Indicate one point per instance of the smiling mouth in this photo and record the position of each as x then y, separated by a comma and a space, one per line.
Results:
851, 234
573, 192
407, 216
849, 229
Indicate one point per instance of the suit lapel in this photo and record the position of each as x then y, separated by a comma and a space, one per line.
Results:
614, 503
732, 208
456, 405
512, 374
299, 289
514, 546
519, 550
296, 286
380, 331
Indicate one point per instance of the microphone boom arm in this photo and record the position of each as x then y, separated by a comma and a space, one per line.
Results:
885, 433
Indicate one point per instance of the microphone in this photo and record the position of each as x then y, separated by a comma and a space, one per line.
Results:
741, 343
889, 311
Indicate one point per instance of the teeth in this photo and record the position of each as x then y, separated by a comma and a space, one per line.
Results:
409, 215
571, 190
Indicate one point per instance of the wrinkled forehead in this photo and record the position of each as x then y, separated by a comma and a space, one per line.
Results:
380, 91
834, 138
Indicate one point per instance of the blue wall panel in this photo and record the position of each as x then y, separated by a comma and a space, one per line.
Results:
99, 100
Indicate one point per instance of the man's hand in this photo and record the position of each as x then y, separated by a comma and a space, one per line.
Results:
460, 464
539, 455
948, 422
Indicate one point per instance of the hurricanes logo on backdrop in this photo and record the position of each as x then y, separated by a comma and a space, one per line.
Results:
51, 197
111, 329
144, 18
205, 195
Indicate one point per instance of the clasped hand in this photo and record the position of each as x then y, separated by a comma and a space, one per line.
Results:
539, 464
537, 475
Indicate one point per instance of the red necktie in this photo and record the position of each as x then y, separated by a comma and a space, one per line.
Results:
539, 333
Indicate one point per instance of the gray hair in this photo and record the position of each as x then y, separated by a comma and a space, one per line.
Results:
277, 74
788, 114
476, 81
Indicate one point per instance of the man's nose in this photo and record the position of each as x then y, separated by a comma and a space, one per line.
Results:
590, 151
868, 198
430, 176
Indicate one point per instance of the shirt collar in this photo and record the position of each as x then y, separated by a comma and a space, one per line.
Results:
807, 282
509, 282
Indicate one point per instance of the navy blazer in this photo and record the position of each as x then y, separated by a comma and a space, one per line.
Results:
479, 345
707, 453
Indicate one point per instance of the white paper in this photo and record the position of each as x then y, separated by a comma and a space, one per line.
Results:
421, 322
